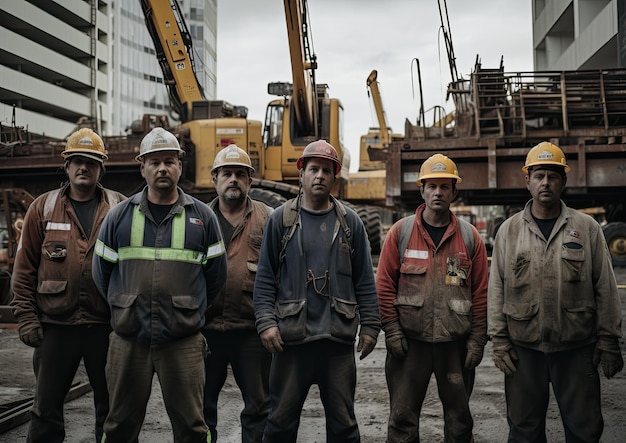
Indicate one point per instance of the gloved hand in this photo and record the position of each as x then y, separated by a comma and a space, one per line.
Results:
504, 355
395, 339
608, 354
31, 333
474, 356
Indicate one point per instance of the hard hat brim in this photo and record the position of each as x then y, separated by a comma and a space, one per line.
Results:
181, 153
100, 158
439, 175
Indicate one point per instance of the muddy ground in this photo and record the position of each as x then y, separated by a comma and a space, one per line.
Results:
487, 402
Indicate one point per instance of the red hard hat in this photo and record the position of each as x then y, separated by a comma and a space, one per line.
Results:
320, 149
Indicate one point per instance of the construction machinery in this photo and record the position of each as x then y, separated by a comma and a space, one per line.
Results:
500, 115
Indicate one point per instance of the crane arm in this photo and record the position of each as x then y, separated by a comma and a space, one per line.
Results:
372, 84
303, 66
172, 43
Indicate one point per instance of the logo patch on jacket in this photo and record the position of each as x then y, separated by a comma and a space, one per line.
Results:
196, 221
573, 233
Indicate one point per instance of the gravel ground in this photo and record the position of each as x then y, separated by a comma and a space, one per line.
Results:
372, 409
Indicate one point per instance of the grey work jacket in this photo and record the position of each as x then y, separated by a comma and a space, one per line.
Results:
556, 294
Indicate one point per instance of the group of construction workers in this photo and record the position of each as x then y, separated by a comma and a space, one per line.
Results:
161, 282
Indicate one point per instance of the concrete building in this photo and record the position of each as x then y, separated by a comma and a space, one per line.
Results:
64, 60
578, 34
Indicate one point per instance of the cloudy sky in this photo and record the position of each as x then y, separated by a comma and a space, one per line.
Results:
352, 37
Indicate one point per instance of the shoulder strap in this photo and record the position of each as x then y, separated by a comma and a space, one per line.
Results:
112, 197
405, 233
341, 211
290, 217
468, 235
407, 227
51, 200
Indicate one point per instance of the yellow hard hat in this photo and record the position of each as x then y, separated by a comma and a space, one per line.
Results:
320, 149
545, 153
438, 166
232, 155
86, 143
157, 140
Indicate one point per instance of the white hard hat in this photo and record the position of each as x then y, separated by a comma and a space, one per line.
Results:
157, 140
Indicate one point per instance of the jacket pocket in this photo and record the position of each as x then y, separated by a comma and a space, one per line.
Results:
292, 319
458, 321
578, 322
55, 251
572, 261
522, 321
185, 318
124, 314
411, 315
344, 260
412, 278
52, 298
344, 319
521, 272
248, 281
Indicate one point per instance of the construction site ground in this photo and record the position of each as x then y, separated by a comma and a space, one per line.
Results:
372, 405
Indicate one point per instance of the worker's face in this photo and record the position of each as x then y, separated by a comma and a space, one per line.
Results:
545, 186
318, 177
82, 172
438, 193
162, 170
232, 183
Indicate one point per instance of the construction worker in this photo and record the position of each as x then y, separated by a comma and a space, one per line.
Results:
230, 331
314, 285
159, 262
59, 311
432, 292
554, 309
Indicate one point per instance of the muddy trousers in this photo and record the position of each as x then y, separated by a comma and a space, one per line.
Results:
576, 386
408, 379
250, 363
55, 363
332, 367
130, 370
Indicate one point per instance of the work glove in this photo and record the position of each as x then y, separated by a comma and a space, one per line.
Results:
474, 356
608, 354
31, 333
395, 340
504, 355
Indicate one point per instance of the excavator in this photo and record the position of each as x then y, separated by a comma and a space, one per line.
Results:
304, 113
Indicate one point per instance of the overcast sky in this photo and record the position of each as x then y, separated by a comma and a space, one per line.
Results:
352, 37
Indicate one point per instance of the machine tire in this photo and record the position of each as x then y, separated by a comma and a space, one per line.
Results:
373, 225
370, 215
615, 234
270, 198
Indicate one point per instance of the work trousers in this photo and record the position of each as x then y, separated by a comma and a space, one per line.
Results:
179, 365
55, 363
576, 386
332, 367
408, 379
250, 363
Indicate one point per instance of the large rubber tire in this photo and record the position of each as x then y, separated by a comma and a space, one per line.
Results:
270, 198
370, 215
373, 225
615, 234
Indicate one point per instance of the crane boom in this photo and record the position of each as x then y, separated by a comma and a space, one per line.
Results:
303, 66
172, 43
385, 131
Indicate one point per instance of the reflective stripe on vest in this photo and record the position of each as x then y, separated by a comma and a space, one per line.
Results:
176, 252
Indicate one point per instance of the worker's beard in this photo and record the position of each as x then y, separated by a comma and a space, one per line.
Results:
233, 194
